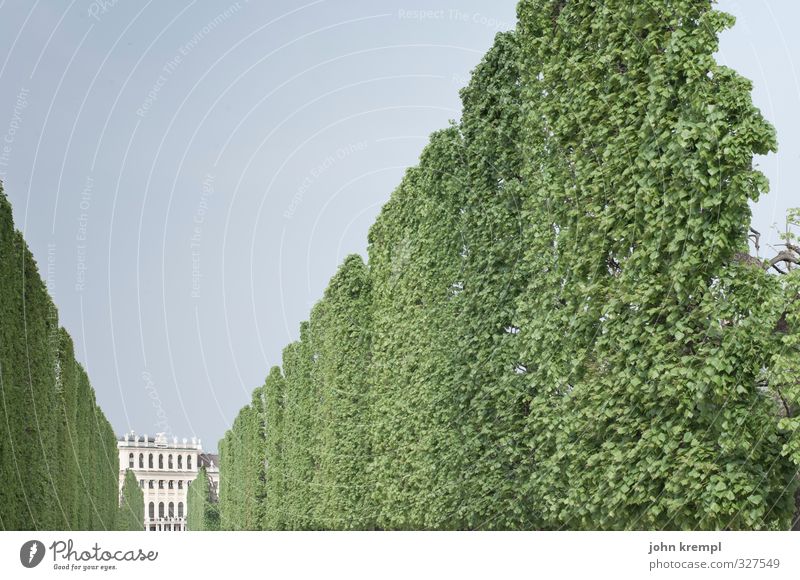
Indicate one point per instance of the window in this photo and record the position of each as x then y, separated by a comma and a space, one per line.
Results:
152, 510
130, 461
160, 484
188, 462
180, 484
150, 484
141, 483
150, 461
161, 509
169, 461
141, 461
161, 461
171, 510
180, 461
170, 484
180, 509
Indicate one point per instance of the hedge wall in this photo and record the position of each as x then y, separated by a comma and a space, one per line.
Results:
556, 328
57, 449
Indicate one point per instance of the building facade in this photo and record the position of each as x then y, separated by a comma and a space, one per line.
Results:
164, 470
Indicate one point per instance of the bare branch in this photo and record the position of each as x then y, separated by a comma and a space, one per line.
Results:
784, 256
775, 267
756, 237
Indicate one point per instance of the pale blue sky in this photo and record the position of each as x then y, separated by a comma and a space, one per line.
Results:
196, 171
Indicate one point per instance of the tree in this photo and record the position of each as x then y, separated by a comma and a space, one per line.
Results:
494, 400
243, 457
202, 514
415, 265
275, 470
646, 411
56, 445
778, 299
560, 325
340, 327
27, 379
131, 508
298, 448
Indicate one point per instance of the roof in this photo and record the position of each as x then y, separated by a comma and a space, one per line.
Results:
159, 441
137, 439
208, 460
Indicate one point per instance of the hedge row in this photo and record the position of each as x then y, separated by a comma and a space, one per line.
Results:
58, 451
202, 513
554, 329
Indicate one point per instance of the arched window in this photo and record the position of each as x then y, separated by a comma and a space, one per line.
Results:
141, 461
160, 484
150, 484
152, 510
161, 509
161, 461
180, 509
180, 484
141, 483
180, 461
171, 510
130, 461
169, 461
170, 484
150, 461
188, 462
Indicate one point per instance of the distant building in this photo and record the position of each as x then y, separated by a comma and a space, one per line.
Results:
164, 471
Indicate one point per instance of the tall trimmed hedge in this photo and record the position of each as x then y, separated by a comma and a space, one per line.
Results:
242, 455
638, 155
202, 514
131, 505
415, 264
559, 326
275, 486
340, 325
496, 467
298, 434
57, 449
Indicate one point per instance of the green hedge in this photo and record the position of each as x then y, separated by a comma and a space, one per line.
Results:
555, 329
131, 515
57, 449
202, 514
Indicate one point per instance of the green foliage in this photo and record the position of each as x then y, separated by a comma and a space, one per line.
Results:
57, 449
274, 516
415, 265
202, 514
242, 456
555, 329
784, 367
131, 508
340, 327
298, 434
638, 173
493, 394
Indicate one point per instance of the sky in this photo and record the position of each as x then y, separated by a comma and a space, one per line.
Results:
190, 174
